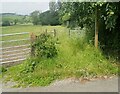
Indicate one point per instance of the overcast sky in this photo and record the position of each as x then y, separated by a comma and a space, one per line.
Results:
24, 6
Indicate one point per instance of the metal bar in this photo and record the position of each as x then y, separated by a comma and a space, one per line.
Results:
23, 53
19, 50
14, 34
14, 47
15, 40
11, 58
13, 61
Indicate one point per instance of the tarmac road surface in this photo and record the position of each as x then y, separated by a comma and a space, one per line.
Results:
67, 85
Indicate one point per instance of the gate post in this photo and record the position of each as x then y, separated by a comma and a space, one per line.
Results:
32, 39
45, 31
54, 33
69, 32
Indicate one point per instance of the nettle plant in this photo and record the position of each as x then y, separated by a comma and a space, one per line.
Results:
45, 46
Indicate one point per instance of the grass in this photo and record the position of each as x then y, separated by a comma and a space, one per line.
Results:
76, 58
11, 18
25, 28
29, 28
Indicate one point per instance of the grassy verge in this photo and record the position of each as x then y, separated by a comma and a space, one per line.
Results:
76, 58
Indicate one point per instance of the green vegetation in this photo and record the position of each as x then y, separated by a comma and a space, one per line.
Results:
44, 46
76, 58
49, 17
9, 19
30, 28
69, 55
101, 18
26, 28
45, 18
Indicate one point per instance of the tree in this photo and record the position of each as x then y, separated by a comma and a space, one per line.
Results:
107, 18
52, 6
5, 23
26, 19
35, 17
59, 4
49, 18
15, 21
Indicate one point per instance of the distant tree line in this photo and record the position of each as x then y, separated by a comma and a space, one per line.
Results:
50, 17
45, 18
10, 19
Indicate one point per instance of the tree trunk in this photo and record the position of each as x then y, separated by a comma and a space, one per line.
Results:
68, 22
96, 27
33, 38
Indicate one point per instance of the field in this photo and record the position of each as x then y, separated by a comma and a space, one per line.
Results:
76, 58
11, 17
25, 28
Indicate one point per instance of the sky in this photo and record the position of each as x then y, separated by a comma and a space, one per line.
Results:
24, 7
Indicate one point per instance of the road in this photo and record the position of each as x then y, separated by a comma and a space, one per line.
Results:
68, 85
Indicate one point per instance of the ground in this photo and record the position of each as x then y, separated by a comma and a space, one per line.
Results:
73, 85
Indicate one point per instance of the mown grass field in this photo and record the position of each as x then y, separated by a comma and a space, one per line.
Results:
11, 17
76, 58
25, 28
29, 28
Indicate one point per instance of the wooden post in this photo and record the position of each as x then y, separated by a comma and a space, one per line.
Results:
69, 32
68, 23
45, 31
33, 38
54, 33
96, 27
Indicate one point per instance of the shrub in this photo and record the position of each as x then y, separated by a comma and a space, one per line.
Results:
44, 46
6, 23
30, 65
3, 69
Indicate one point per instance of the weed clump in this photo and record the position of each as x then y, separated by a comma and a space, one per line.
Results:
44, 46
3, 69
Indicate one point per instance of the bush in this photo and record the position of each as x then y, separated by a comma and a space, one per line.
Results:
44, 46
3, 69
30, 65
6, 23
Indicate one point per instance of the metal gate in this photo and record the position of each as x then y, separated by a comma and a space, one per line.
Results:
13, 52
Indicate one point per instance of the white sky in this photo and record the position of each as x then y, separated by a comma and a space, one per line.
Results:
23, 6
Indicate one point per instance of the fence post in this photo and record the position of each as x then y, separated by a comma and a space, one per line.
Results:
45, 31
32, 39
54, 33
69, 32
